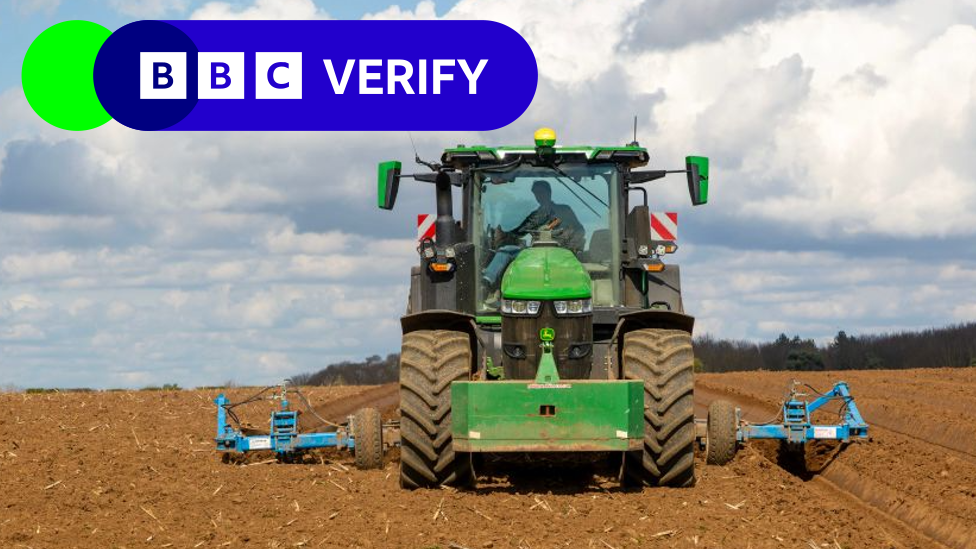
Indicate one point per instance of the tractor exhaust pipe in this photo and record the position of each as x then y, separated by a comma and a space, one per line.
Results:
445, 225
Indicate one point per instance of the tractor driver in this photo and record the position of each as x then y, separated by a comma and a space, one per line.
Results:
567, 231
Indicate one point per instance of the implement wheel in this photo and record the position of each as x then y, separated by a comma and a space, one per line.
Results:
429, 362
663, 360
367, 428
721, 443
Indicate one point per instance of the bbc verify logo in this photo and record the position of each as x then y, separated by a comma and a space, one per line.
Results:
220, 75
303, 75
278, 75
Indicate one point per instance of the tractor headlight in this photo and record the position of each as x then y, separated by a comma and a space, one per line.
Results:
573, 307
520, 307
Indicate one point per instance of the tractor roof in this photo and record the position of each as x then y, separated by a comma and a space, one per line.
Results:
479, 154
545, 145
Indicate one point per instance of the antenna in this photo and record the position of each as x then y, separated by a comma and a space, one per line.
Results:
634, 143
416, 156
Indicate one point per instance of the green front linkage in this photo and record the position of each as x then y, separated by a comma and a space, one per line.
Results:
547, 414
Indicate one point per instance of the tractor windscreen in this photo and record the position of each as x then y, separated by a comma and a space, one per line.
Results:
576, 201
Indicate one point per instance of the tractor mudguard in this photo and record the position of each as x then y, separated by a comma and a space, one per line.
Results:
442, 319
653, 318
439, 319
649, 318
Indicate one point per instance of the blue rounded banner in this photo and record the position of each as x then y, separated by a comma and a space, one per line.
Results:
315, 75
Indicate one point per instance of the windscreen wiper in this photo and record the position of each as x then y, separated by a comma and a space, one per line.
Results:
563, 174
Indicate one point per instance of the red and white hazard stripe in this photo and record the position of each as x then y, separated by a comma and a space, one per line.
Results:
425, 226
664, 226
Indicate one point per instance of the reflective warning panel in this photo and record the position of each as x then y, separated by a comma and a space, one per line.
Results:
664, 226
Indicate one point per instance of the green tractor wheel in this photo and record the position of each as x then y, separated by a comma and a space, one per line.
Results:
367, 427
663, 360
429, 362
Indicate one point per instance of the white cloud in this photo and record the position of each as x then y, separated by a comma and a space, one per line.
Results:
965, 312
425, 9
26, 301
261, 9
28, 7
175, 298
119, 310
286, 240
149, 9
79, 306
276, 364
20, 267
21, 332
229, 270
263, 308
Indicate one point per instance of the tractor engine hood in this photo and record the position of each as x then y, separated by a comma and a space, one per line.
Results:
546, 272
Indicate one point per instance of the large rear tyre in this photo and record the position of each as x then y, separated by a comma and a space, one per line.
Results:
429, 362
367, 428
663, 360
720, 442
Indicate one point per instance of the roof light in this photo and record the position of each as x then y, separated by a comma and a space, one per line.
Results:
545, 137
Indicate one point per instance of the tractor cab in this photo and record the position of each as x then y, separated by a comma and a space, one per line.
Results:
588, 200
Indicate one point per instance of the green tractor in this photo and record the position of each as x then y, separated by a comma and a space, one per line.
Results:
544, 320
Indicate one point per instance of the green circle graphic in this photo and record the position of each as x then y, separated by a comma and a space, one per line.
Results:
58, 75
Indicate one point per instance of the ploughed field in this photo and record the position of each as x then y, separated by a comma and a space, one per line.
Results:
137, 469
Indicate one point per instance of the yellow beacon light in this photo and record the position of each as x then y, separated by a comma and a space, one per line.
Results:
545, 137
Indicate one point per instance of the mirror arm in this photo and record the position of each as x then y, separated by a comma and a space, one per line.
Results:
432, 177
637, 178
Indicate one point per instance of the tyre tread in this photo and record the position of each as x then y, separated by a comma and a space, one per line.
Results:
429, 362
663, 360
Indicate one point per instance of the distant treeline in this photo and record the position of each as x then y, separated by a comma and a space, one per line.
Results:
372, 371
951, 347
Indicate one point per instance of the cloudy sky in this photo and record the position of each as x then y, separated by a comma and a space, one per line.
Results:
842, 135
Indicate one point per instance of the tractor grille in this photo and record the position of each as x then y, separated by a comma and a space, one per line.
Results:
573, 343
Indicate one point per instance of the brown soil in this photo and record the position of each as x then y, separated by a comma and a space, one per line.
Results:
385, 398
137, 469
921, 463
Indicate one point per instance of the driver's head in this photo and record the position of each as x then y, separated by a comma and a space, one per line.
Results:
542, 191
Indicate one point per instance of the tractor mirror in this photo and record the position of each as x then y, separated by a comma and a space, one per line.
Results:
387, 183
697, 167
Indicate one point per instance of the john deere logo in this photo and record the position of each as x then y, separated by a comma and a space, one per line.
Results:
547, 334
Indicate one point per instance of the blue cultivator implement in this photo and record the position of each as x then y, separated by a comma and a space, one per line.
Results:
797, 426
724, 430
362, 433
